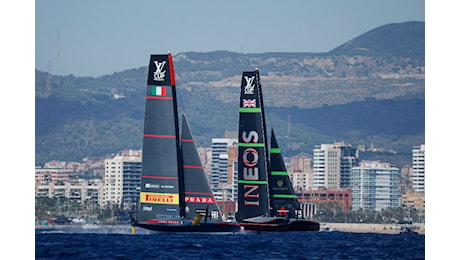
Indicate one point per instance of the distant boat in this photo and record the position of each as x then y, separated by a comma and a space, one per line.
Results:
266, 198
408, 229
175, 195
91, 226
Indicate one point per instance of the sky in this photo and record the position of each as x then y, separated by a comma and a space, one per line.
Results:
94, 38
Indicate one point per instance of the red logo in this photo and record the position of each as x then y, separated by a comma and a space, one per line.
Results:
200, 200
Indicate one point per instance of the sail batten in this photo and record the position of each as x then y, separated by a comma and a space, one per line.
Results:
279, 173
251, 144
250, 110
252, 182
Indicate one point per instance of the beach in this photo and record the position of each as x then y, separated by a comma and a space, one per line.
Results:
372, 228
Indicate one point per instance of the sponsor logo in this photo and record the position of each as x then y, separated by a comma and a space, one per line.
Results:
164, 221
200, 199
156, 186
249, 103
159, 198
250, 158
147, 208
215, 214
159, 74
200, 211
283, 211
171, 210
279, 183
249, 88
251, 195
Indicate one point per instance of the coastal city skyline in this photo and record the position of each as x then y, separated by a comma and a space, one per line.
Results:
221, 179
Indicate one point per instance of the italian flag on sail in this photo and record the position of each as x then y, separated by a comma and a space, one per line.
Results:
158, 91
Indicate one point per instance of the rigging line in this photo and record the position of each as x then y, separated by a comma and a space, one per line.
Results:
181, 100
268, 120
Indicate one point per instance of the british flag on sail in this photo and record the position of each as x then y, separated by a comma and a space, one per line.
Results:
249, 103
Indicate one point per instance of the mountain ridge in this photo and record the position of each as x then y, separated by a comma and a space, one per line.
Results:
84, 116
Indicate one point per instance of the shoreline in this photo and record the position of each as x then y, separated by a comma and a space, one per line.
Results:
371, 228
344, 227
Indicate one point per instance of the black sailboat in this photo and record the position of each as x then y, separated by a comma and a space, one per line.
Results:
266, 198
175, 195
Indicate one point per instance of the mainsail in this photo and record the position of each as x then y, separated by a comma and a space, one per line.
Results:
252, 150
199, 198
266, 198
175, 194
283, 200
161, 157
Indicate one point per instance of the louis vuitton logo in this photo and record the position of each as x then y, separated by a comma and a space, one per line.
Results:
249, 88
159, 73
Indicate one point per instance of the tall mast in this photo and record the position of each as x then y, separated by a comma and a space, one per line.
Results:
264, 129
178, 141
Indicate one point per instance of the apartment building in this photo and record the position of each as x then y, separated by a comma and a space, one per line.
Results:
122, 179
52, 175
332, 165
77, 189
222, 174
374, 186
418, 168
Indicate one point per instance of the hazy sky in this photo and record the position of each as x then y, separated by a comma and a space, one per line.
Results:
93, 38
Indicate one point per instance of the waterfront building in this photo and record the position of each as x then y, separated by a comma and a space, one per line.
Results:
414, 200
301, 172
332, 165
122, 180
341, 197
76, 189
221, 178
45, 176
374, 186
300, 180
418, 168
301, 163
405, 182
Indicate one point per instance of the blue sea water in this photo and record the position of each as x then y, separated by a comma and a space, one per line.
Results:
121, 244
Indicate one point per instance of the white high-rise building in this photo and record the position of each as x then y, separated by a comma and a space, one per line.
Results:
221, 179
332, 165
418, 168
374, 186
219, 157
122, 179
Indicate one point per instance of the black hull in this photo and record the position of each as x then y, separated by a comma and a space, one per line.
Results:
293, 225
208, 228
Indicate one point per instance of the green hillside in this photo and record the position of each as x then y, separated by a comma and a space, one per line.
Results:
322, 97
